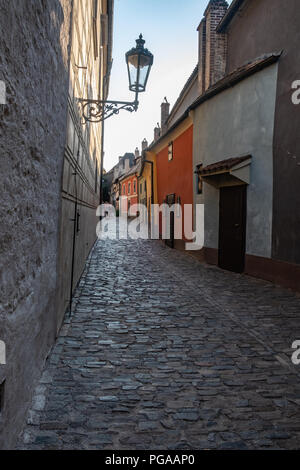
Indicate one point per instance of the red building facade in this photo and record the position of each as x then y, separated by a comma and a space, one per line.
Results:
129, 189
174, 163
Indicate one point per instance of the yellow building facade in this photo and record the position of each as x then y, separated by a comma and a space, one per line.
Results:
148, 182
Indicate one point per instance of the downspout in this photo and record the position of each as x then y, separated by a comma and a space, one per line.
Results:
105, 84
102, 164
152, 180
152, 189
75, 221
75, 185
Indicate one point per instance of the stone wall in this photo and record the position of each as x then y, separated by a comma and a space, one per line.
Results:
34, 64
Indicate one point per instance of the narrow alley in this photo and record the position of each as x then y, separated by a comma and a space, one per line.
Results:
163, 352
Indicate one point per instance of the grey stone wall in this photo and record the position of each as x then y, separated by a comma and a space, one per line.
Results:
34, 62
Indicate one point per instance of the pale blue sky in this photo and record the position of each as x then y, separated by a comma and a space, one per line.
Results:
170, 30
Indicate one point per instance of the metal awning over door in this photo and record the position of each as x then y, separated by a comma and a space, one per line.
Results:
229, 172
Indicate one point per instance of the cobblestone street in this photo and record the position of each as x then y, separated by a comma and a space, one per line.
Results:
163, 352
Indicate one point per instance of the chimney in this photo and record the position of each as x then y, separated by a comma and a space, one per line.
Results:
137, 153
212, 45
202, 55
165, 111
144, 145
157, 133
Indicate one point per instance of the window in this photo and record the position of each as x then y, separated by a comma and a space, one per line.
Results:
170, 151
95, 8
129, 188
134, 187
141, 188
124, 189
95, 32
199, 181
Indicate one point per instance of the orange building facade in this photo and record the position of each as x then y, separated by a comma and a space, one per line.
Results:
174, 179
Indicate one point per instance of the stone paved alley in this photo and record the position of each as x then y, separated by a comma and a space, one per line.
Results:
163, 352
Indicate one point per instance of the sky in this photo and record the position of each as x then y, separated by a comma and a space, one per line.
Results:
170, 30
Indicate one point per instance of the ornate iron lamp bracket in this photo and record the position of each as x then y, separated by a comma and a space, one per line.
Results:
98, 111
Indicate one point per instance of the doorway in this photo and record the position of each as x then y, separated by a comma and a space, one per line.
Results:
170, 200
232, 228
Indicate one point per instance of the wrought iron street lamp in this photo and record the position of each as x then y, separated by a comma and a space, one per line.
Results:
139, 62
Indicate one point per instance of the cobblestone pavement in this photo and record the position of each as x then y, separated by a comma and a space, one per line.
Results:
163, 352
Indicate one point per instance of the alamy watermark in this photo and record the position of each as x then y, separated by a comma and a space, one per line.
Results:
162, 221
296, 354
296, 94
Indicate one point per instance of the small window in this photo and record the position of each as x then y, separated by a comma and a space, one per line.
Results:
129, 188
124, 189
134, 187
95, 32
170, 151
199, 181
141, 188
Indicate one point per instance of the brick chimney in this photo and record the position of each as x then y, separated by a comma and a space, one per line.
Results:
157, 132
212, 45
144, 145
165, 111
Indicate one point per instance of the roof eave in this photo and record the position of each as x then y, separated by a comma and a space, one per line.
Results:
234, 78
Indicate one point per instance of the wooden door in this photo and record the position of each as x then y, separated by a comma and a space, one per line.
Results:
232, 228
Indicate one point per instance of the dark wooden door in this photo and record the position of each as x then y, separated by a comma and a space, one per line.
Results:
232, 228
170, 200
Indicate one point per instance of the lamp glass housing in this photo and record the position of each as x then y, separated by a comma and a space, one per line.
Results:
139, 62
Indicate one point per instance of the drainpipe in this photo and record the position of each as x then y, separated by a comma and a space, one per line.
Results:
75, 221
152, 187
152, 180
102, 136
101, 166
102, 151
